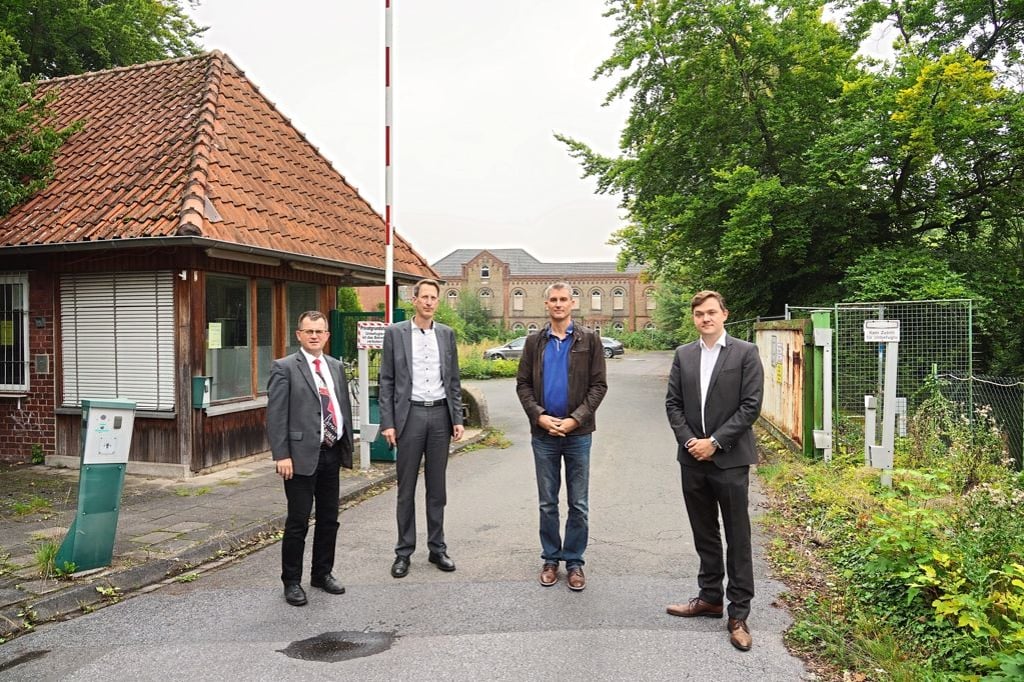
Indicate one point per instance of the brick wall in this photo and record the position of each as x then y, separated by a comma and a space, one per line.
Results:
634, 315
30, 421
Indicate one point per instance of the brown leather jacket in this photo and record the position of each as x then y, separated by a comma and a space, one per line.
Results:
587, 380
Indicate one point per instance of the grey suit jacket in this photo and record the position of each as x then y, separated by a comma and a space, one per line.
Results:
396, 374
293, 412
733, 401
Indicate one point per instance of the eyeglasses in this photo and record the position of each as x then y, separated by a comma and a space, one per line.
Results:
314, 332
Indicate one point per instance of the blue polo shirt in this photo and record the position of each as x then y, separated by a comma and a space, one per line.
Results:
556, 374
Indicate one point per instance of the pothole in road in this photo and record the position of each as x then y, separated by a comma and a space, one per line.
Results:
332, 647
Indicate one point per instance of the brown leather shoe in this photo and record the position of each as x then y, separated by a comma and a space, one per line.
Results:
695, 607
577, 581
549, 575
739, 634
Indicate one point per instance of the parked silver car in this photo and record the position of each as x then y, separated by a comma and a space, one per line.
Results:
514, 349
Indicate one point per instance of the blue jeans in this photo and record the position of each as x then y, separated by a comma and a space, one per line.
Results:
548, 453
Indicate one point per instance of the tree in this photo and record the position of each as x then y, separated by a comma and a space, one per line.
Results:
27, 145
477, 321
64, 37
764, 157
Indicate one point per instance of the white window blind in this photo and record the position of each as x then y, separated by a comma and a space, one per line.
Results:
117, 338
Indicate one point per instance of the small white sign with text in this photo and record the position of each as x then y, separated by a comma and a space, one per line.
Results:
370, 334
882, 331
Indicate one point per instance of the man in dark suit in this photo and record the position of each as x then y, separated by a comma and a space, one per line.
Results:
714, 397
309, 425
421, 412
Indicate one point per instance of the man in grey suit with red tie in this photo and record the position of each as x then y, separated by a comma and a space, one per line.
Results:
309, 425
714, 397
420, 412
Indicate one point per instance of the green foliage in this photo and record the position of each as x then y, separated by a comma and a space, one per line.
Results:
646, 339
27, 145
31, 506
66, 569
37, 454
967, 453
766, 158
43, 555
348, 300
475, 367
65, 37
904, 274
478, 323
924, 580
672, 307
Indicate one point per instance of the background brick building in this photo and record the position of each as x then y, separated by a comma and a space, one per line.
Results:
510, 284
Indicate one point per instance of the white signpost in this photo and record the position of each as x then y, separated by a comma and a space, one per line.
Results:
369, 335
881, 456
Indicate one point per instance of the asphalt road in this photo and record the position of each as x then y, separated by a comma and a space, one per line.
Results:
489, 620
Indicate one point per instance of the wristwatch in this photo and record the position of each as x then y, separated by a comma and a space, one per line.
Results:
715, 443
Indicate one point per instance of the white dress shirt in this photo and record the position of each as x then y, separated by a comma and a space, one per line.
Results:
708, 358
325, 370
426, 365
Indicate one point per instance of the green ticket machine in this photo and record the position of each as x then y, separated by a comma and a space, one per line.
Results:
106, 440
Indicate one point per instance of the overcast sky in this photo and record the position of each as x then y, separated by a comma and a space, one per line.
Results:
479, 86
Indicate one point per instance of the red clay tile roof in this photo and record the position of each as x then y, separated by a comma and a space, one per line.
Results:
189, 147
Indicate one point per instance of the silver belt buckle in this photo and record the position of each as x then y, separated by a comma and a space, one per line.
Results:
429, 403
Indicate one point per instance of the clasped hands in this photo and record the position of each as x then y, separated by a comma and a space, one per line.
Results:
556, 426
702, 449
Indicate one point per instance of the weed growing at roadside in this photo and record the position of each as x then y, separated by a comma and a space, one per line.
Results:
44, 554
192, 492
918, 582
492, 438
33, 505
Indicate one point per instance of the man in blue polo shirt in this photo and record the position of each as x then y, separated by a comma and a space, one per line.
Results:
560, 383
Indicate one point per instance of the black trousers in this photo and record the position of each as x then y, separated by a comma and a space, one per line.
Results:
706, 490
425, 438
302, 491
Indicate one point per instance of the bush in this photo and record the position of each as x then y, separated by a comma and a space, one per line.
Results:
934, 565
647, 339
478, 368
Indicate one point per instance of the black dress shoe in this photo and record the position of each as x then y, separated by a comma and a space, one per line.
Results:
400, 568
295, 595
442, 561
329, 584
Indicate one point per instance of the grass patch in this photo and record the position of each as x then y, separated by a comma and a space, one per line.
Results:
492, 438
33, 505
192, 492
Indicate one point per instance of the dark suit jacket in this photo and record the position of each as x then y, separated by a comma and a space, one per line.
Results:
293, 412
733, 401
396, 374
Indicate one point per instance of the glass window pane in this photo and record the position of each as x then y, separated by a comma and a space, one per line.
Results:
13, 356
228, 353
300, 298
264, 333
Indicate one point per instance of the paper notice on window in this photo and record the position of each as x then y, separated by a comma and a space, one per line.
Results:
6, 332
213, 336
